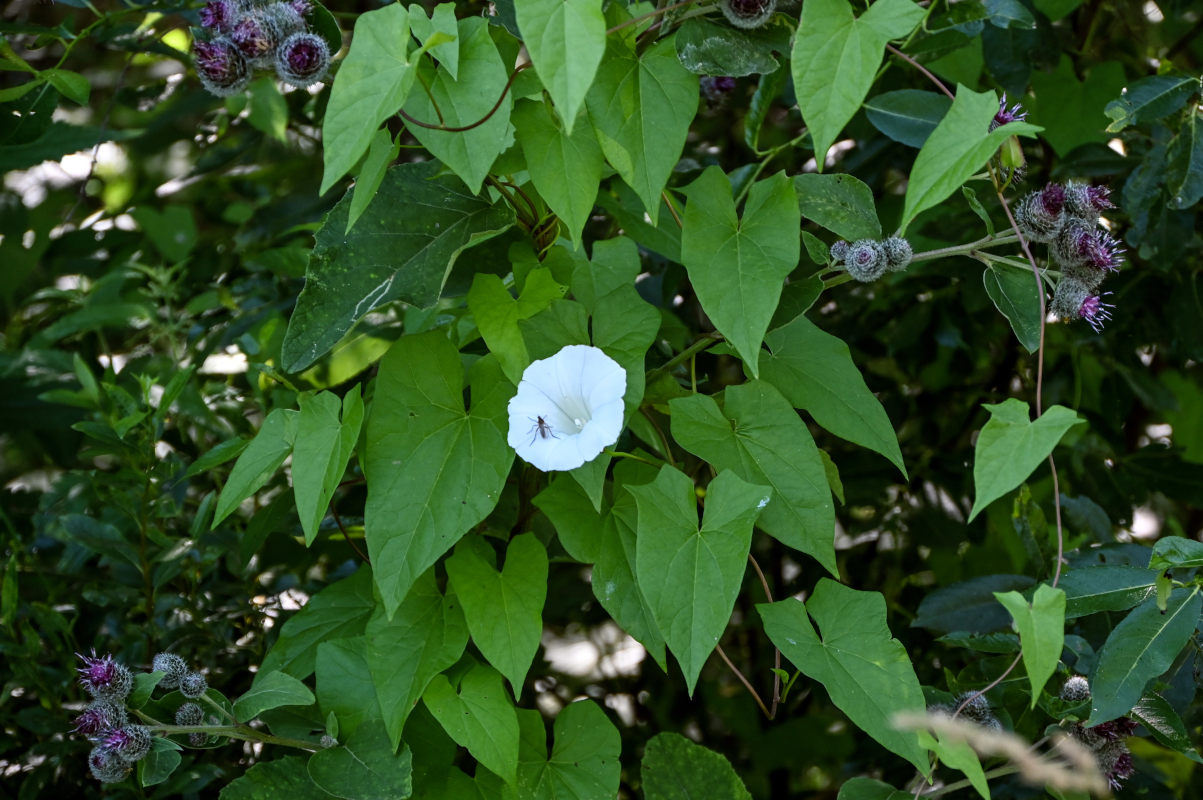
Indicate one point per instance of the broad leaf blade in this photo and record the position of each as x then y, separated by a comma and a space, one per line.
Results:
338, 611
675, 768
271, 690
1041, 627
840, 203
478, 715
583, 764
1015, 293
566, 40
365, 768
323, 448
386, 256
258, 462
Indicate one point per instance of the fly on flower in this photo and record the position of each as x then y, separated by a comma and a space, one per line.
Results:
568, 408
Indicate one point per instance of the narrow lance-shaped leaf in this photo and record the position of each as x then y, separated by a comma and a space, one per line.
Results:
1010, 446
1139, 649
737, 266
865, 670
433, 469
387, 255
258, 462
323, 448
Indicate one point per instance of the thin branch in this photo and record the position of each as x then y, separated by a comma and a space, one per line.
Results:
672, 209
718, 648
479, 122
706, 340
338, 521
648, 15
921, 68
764, 582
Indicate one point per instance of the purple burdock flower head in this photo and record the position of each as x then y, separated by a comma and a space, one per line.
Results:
106, 766
219, 15
1086, 202
302, 59
1039, 214
100, 717
866, 260
1115, 762
222, 68
1116, 730
104, 678
258, 32
129, 742
1005, 115
1079, 246
302, 7
748, 14
1075, 300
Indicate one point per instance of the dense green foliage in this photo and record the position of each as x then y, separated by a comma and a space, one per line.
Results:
261, 358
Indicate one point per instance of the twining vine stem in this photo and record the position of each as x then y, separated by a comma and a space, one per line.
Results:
461, 128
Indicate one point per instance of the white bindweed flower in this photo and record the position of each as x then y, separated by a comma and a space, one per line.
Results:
568, 408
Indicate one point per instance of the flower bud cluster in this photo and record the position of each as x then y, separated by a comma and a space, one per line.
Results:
249, 35
1106, 740
1066, 217
117, 743
868, 259
976, 710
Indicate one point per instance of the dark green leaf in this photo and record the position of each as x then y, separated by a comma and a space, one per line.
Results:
1016, 295
159, 763
270, 780
1105, 588
969, 605
709, 48
365, 768
840, 203
1160, 718
583, 764
478, 715
345, 688
675, 768
340, 610
907, 115
1150, 99
271, 690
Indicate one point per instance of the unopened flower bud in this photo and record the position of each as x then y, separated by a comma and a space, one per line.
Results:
748, 14
104, 678
898, 253
839, 251
173, 668
106, 766
198, 739
328, 741
1086, 202
99, 717
1075, 690
193, 685
302, 59
222, 68
189, 714
129, 742
866, 260
1039, 214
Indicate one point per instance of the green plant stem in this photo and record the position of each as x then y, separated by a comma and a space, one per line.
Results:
769, 155
966, 249
648, 15
632, 456
948, 788
718, 648
211, 702
838, 280
243, 732
680, 358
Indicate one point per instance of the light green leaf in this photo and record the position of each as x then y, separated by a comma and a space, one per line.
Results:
427, 635
956, 149
614, 581
387, 256
365, 768
382, 152
268, 780
433, 470
583, 764
258, 462
1010, 446
1041, 627
566, 40
478, 715
440, 25
1139, 649
1015, 293
497, 314
865, 670
323, 448
737, 266
372, 84
623, 323
1089, 590
172, 230
835, 59
271, 690
814, 370
344, 684
565, 168
758, 436
958, 755
70, 84
675, 768
504, 609
840, 203
269, 110
641, 109
338, 611
691, 577
465, 101
578, 525
1071, 110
